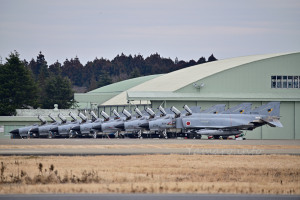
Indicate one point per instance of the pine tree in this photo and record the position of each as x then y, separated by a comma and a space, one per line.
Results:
17, 88
58, 90
135, 73
211, 58
104, 79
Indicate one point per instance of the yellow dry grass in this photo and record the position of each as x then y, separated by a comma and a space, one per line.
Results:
255, 174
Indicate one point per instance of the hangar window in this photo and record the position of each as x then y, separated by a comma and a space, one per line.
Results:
296, 83
285, 81
279, 82
273, 84
290, 82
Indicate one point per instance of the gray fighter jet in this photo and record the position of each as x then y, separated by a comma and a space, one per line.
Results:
109, 125
86, 129
43, 130
24, 131
167, 121
133, 126
225, 125
175, 122
75, 130
64, 129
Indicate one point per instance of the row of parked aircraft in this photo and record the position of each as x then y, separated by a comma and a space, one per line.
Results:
214, 122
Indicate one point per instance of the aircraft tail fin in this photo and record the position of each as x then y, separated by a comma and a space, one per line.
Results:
195, 109
270, 109
215, 109
243, 108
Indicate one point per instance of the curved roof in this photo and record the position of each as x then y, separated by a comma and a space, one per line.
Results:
173, 81
124, 85
108, 92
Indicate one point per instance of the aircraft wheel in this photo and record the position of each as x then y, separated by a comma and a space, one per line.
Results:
71, 135
13, 136
50, 135
198, 136
224, 137
216, 137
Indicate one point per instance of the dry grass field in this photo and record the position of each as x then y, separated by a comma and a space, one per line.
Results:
255, 174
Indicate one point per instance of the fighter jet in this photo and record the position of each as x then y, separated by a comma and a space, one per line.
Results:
75, 130
225, 125
24, 131
86, 129
64, 129
133, 126
43, 131
109, 125
167, 121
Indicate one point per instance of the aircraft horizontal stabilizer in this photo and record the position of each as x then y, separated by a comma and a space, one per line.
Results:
273, 122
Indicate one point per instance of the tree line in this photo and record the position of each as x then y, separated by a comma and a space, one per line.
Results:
36, 84
101, 72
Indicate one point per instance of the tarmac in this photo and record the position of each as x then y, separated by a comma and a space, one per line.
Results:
87, 147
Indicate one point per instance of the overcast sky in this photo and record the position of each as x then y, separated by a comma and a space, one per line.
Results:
187, 29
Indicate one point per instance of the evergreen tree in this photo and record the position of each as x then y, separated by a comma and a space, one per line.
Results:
135, 73
17, 88
43, 74
55, 69
211, 58
58, 90
104, 79
73, 69
93, 84
201, 60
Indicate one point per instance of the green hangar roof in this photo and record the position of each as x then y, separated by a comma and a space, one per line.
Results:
105, 93
123, 85
241, 78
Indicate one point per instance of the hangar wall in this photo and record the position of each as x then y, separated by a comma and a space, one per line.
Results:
252, 78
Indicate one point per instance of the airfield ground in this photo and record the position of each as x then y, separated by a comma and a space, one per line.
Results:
183, 166
242, 174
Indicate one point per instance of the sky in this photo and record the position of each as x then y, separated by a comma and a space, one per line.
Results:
187, 29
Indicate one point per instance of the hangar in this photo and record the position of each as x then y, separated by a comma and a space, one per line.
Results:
257, 79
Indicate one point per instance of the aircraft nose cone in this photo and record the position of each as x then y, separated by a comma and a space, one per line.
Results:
76, 128
145, 125
16, 131
35, 130
120, 126
54, 129
98, 127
